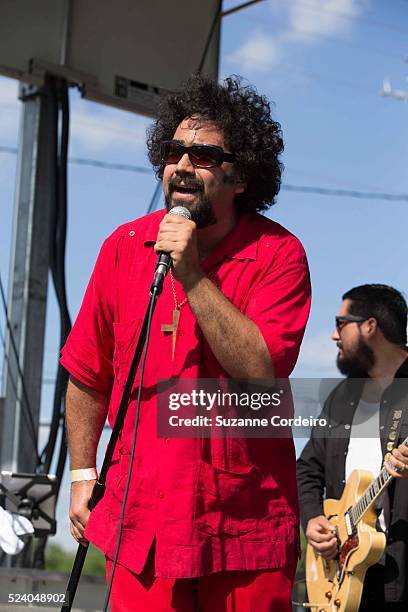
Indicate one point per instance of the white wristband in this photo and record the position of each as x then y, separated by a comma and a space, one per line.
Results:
84, 474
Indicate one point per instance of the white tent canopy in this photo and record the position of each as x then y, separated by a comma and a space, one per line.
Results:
121, 53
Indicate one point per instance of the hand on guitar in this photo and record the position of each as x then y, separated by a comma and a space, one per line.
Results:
321, 535
396, 463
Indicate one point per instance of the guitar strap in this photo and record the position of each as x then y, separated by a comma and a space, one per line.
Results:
393, 433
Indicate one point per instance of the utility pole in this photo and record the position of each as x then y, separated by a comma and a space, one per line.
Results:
28, 284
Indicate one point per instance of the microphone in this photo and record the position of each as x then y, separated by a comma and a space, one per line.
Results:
164, 259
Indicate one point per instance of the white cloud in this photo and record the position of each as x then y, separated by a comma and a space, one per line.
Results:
105, 129
259, 52
305, 22
313, 20
317, 357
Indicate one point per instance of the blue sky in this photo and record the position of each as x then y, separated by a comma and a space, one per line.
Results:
322, 63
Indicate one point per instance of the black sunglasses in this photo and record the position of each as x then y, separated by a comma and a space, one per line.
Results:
342, 321
200, 155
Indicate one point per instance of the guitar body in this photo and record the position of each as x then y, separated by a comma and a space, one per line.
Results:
336, 586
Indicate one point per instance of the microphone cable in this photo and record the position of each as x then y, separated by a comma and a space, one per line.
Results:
153, 298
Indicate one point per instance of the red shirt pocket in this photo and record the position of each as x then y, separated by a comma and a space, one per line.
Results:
228, 503
126, 335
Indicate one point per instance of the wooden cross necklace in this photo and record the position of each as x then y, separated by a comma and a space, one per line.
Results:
172, 327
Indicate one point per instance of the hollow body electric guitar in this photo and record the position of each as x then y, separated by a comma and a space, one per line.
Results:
336, 585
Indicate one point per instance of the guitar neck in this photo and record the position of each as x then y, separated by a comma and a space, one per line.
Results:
372, 492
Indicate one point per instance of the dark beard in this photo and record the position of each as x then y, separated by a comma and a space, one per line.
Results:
201, 213
357, 364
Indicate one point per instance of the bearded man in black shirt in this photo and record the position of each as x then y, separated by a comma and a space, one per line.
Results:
371, 336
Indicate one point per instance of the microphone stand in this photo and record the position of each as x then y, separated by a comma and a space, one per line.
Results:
99, 488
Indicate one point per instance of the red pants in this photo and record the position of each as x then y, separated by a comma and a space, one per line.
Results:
261, 591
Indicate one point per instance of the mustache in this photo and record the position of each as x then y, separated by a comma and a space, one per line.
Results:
187, 183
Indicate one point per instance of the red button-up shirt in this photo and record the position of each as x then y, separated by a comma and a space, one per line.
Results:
211, 505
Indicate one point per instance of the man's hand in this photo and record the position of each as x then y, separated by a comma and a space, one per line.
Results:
396, 463
177, 236
235, 340
321, 535
79, 512
86, 411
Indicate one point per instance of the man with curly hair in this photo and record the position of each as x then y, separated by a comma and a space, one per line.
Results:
209, 524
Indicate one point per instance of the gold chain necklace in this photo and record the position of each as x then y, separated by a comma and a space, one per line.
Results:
173, 288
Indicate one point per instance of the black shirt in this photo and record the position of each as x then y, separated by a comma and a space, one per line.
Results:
321, 470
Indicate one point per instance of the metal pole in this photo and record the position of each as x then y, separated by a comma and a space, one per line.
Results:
28, 282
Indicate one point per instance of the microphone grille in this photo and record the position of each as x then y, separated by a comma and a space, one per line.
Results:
181, 211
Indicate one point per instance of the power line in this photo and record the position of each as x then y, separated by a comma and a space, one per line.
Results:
11, 150
349, 193
80, 161
98, 125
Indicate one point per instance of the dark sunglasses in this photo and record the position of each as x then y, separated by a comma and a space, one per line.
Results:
342, 321
200, 155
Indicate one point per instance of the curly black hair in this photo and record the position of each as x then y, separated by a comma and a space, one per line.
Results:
249, 131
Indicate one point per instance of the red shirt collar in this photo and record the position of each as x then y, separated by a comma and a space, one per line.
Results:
240, 243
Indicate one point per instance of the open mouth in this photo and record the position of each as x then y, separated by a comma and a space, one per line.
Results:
186, 190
